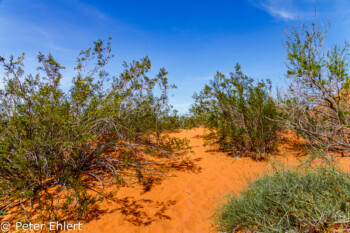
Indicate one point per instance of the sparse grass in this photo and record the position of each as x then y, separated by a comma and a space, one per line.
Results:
289, 200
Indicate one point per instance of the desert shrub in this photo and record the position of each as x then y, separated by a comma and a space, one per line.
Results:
317, 103
188, 121
183, 121
303, 200
240, 113
57, 144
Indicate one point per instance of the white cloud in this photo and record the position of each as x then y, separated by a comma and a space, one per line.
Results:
287, 9
279, 8
89, 9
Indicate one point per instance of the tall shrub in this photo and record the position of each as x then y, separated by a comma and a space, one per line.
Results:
240, 113
317, 103
97, 133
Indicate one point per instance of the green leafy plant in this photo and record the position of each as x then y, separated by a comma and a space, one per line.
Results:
58, 144
317, 104
240, 114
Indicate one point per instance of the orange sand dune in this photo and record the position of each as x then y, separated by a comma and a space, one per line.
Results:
184, 201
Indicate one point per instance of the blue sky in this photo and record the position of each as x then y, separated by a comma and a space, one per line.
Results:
191, 39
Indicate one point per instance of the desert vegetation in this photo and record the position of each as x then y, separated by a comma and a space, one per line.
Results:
316, 107
245, 118
60, 149
63, 150
289, 200
317, 103
241, 114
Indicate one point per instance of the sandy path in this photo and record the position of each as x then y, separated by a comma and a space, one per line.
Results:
184, 201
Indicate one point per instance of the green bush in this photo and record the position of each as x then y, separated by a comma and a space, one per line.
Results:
240, 113
51, 138
184, 121
307, 200
317, 104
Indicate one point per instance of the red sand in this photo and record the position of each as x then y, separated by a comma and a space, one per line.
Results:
184, 202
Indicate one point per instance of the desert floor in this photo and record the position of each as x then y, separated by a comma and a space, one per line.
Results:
184, 201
